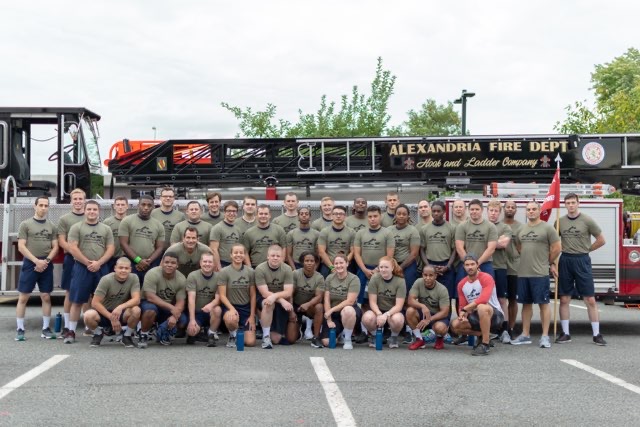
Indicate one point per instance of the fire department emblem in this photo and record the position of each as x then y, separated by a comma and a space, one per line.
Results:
409, 163
593, 153
161, 164
545, 161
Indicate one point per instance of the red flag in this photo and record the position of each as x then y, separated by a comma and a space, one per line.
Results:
552, 201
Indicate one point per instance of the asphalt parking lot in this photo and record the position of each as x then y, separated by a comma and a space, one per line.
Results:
292, 385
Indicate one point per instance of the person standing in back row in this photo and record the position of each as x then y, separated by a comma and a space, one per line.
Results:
574, 267
166, 214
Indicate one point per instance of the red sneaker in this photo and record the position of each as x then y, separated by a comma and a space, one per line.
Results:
417, 344
439, 345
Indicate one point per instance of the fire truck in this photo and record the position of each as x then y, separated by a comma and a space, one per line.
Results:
312, 166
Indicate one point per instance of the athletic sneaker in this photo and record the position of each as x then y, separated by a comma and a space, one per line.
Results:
46, 333
348, 345
481, 350
162, 334
372, 341
418, 344
211, 340
87, 332
127, 341
216, 335
70, 338
143, 341
408, 338
266, 343
231, 342
598, 340
520, 340
316, 342
192, 340
96, 340
20, 335
393, 342
493, 336
63, 334
308, 334
361, 338
563, 338
448, 339
544, 342
505, 338
462, 339
439, 345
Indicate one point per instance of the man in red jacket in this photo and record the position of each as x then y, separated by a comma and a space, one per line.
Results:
479, 308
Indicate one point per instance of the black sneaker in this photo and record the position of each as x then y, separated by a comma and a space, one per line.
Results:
316, 342
211, 340
361, 338
63, 334
96, 340
408, 338
462, 339
564, 338
598, 340
481, 350
127, 341
191, 340
258, 333
143, 341
180, 333
70, 337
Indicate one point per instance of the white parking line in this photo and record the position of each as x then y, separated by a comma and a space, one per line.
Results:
341, 412
578, 306
28, 376
603, 375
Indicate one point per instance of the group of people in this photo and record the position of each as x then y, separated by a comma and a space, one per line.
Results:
160, 273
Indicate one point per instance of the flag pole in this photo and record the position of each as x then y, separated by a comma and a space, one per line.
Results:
555, 292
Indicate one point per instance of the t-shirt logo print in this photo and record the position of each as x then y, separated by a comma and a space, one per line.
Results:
241, 282
371, 244
166, 294
144, 232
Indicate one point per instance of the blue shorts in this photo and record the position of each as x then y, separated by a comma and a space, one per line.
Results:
448, 278
410, 275
501, 282
244, 311
512, 287
161, 314
337, 319
362, 295
533, 290
29, 277
280, 318
202, 318
67, 271
430, 325
106, 322
84, 282
574, 273
496, 321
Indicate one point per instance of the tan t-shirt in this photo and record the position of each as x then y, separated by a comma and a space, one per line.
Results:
169, 290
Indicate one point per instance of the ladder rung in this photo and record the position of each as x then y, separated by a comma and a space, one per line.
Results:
16, 263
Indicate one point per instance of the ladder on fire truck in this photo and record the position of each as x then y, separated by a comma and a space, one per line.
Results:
8, 236
512, 189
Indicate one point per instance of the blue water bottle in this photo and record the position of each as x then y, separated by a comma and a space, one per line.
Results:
379, 339
332, 337
58, 324
240, 339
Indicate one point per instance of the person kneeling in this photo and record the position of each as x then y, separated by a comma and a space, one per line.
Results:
480, 311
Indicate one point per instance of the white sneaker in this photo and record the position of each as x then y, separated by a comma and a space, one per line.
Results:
266, 343
348, 345
505, 338
308, 334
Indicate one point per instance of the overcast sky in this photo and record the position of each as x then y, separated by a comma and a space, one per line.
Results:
170, 64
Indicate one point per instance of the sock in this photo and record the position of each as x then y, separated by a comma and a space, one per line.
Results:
97, 331
347, 334
417, 333
46, 321
210, 332
73, 326
395, 334
127, 332
565, 326
20, 322
66, 320
407, 328
266, 331
596, 328
233, 333
364, 328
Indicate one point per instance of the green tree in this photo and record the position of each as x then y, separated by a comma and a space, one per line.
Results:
432, 119
616, 86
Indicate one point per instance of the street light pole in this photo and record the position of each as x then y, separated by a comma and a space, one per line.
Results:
463, 100
154, 133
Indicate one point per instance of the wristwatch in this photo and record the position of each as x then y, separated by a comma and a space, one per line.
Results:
48, 260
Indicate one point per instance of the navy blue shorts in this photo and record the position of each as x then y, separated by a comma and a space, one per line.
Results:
29, 277
447, 279
496, 321
512, 287
105, 322
202, 318
502, 284
280, 318
430, 325
84, 282
337, 319
67, 271
410, 273
161, 314
533, 290
362, 295
574, 272
244, 311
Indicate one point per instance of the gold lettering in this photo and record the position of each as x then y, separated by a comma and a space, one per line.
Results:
534, 146
453, 163
394, 150
507, 162
411, 149
429, 163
